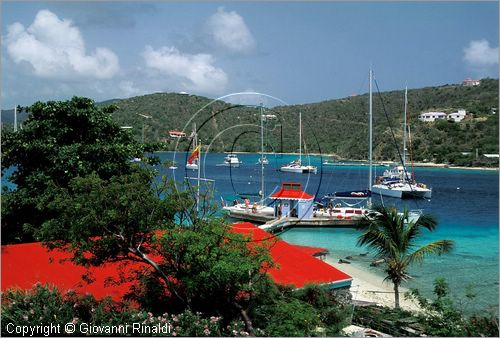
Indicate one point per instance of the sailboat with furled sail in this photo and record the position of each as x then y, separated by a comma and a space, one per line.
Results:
397, 182
246, 210
347, 206
296, 166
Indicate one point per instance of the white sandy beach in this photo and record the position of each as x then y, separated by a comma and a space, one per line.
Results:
369, 287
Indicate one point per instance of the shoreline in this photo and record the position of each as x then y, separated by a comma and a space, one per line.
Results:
369, 287
354, 162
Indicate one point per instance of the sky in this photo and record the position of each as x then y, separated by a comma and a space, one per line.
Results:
296, 52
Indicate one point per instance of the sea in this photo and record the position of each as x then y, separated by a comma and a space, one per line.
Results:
464, 201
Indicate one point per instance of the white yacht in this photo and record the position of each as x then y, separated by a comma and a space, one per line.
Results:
263, 160
296, 166
397, 182
247, 208
232, 160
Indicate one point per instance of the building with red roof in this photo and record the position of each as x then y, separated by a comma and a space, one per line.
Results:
26, 264
292, 201
295, 265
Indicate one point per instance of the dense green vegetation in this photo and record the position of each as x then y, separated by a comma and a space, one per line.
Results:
59, 141
336, 127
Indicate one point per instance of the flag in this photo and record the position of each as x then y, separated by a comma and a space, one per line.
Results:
194, 155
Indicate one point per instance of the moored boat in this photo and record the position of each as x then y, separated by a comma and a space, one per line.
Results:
397, 182
296, 166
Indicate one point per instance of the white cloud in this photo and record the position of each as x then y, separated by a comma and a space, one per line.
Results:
196, 71
481, 58
55, 49
229, 31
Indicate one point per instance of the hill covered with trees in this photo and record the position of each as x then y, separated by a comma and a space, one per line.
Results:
334, 127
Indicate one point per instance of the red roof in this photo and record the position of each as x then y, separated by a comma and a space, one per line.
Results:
311, 250
23, 265
26, 264
294, 266
291, 191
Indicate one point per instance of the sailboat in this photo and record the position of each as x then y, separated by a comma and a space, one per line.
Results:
296, 166
338, 207
263, 160
241, 210
397, 182
231, 160
192, 162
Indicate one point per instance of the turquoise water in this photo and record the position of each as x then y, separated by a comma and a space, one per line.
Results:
465, 203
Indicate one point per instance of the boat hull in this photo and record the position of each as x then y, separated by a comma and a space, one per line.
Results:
192, 166
299, 170
401, 191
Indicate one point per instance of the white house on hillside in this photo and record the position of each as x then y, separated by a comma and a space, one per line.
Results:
457, 116
470, 82
432, 116
439, 115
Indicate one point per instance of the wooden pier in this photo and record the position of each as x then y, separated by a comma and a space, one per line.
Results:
273, 224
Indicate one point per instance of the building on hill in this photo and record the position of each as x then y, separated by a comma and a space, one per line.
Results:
470, 82
432, 116
456, 116
176, 134
24, 265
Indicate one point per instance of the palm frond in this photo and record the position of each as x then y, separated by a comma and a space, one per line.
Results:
435, 248
427, 221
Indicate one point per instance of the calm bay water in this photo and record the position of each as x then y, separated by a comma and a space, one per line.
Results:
465, 202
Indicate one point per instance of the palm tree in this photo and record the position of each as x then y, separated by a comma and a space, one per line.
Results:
393, 237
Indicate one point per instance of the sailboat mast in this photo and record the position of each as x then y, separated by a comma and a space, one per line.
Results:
300, 138
404, 130
15, 118
370, 127
262, 154
195, 141
198, 190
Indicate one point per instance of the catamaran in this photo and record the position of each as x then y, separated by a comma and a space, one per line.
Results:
296, 166
397, 182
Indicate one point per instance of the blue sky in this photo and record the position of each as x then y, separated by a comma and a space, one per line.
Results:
299, 52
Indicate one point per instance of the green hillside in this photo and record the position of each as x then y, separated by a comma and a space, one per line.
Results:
336, 127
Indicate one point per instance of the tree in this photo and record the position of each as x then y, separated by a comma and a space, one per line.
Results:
200, 265
60, 140
393, 237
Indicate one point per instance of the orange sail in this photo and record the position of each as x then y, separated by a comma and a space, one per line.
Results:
194, 155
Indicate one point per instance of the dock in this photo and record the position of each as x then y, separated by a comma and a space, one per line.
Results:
280, 224
273, 224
